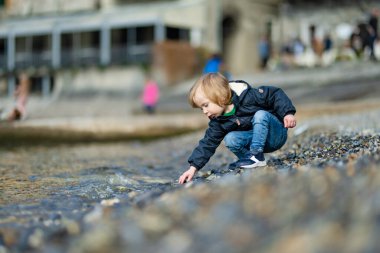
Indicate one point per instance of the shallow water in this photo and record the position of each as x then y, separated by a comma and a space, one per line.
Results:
50, 187
42, 186
89, 172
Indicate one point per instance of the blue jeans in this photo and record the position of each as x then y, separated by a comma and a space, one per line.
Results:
268, 135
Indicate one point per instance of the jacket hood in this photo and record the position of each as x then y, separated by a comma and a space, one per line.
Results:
239, 89
238, 86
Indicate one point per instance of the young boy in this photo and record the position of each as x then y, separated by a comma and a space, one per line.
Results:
251, 121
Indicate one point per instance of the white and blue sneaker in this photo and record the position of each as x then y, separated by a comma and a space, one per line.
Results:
233, 166
251, 160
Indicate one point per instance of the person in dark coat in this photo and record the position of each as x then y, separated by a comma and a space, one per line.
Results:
264, 52
251, 121
373, 30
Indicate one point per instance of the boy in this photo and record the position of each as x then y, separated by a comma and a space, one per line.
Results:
251, 121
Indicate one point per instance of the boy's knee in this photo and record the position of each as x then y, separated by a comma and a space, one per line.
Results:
260, 116
231, 141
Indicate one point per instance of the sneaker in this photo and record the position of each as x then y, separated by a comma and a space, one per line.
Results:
233, 166
252, 161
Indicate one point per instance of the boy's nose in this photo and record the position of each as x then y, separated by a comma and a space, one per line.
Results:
204, 110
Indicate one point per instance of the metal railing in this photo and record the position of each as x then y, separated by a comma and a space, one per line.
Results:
131, 54
121, 54
26, 60
80, 57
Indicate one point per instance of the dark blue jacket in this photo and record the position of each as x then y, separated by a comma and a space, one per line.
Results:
247, 101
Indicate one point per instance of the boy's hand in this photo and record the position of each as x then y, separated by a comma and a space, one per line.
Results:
187, 175
290, 121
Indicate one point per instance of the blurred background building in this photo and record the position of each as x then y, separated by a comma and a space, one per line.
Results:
107, 44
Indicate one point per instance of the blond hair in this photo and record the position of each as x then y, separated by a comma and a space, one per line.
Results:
215, 87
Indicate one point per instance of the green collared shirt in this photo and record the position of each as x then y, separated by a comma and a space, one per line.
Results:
232, 112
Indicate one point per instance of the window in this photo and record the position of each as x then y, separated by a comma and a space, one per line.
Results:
41, 43
174, 33
90, 39
23, 44
119, 37
144, 35
67, 40
3, 46
3, 53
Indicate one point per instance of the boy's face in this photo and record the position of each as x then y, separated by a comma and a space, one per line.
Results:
210, 109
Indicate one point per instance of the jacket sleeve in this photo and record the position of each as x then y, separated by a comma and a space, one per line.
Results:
275, 98
207, 145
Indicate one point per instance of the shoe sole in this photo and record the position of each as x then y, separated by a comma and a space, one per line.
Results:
259, 164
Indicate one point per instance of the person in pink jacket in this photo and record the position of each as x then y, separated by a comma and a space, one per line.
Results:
150, 96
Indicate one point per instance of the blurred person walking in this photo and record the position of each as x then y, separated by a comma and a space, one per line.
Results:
264, 52
327, 43
356, 42
298, 46
21, 96
215, 64
150, 95
373, 30
367, 36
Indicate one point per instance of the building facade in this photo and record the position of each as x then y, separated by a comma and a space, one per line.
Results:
51, 38
46, 38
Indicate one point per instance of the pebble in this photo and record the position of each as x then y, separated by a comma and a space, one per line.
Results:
110, 202
36, 238
72, 227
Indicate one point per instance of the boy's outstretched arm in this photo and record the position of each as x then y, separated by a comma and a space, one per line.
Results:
188, 175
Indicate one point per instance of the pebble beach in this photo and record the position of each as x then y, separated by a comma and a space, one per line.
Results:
319, 193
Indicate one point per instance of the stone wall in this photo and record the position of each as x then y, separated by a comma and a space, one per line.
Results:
121, 80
